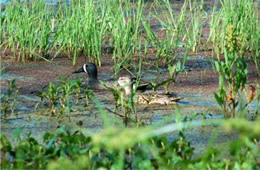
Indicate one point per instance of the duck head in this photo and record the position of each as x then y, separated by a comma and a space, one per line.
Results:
89, 68
125, 82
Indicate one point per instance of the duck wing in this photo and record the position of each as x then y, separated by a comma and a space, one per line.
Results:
155, 98
143, 87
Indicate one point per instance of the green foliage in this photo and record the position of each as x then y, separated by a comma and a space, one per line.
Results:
233, 38
174, 27
80, 29
35, 30
129, 148
194, 27
125, 31
28, 29
52, 95
235, 28
174, 70
125, 102
10, 99
116, 94
234, 71
59, 96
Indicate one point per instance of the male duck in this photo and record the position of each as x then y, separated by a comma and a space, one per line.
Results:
92, 71
126, 83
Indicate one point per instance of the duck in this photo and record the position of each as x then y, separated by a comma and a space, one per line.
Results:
91, 70
95, 83
147, 98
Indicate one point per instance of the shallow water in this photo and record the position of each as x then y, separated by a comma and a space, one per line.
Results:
11, 76
37, 123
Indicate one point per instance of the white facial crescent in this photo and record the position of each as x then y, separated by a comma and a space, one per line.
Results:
85, 68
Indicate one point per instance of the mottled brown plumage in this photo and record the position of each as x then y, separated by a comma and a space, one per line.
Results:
146, 98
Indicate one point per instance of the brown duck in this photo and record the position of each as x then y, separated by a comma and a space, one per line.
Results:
126, 83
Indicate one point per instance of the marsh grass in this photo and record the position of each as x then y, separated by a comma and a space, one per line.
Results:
80, 29
26, 30
174, 27
125, 32
243, 16
192, 37
37, 31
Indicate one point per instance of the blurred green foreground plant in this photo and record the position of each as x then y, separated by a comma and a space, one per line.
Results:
131, 148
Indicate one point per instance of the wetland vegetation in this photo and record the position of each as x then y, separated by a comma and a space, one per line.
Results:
162, 42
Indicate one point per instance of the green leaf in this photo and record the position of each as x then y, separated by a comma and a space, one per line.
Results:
16, 134
217, 66
218, 99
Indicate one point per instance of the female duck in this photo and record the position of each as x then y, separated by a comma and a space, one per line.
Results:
146, 98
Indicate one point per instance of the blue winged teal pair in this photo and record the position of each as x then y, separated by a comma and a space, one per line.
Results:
127, 84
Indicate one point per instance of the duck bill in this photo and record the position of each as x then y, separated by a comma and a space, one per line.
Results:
78, 71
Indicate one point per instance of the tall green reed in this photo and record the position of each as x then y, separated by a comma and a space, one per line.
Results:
80, 30
174, 27
125, 30
27, 29
243, 16
194, 25
34, 30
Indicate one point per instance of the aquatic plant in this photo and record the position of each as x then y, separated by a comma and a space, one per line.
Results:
67, 88
192, 37
174, 70
10, 99
52, 96
116, 94
89, 94
234, 71
80, 30
59, 96
120, 100
232, 37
